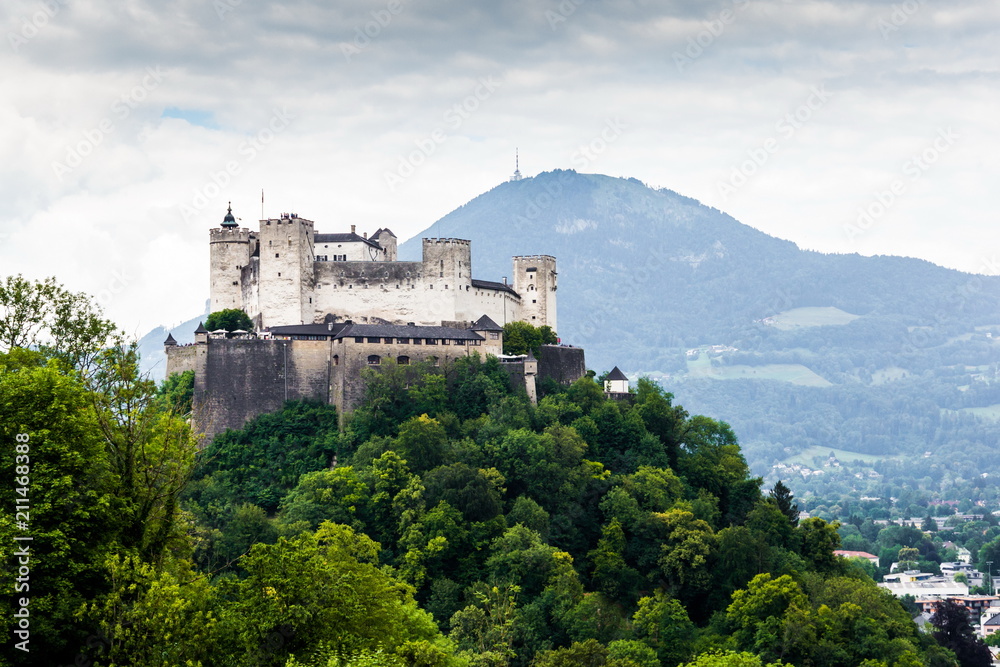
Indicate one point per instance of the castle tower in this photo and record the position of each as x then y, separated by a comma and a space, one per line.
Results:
287, 279
229, 252
535, 281
447, 270
386, 239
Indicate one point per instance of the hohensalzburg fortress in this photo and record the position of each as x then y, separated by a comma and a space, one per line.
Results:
286, 273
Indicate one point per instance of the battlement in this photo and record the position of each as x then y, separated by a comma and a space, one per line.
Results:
447, 241
527, 258
226, 235
287, 219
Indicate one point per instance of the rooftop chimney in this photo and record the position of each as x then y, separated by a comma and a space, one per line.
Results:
352, 229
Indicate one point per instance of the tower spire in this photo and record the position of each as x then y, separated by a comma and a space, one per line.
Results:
230, 219
517, 167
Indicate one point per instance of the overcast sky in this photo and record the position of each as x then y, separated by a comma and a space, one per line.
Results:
126, 127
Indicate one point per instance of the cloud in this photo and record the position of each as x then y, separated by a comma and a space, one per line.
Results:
567, 67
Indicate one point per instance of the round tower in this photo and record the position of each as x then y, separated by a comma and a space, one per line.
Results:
229, 251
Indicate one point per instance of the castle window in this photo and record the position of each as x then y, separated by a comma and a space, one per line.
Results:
403, 341
534, 301
494, 335
236, 282
321, 258
433, 360
374, 360
336, 360
359, 339
446, 287
403, 361
431, 341
275, 255
417, 341
279, 274
432, 286
446, 341
374, 340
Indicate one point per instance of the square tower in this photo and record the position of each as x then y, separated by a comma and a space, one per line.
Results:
535, 280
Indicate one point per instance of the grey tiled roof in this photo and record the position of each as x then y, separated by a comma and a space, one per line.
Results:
616, 374
309, 329
407, 331
344, 238
489, 284
484, 323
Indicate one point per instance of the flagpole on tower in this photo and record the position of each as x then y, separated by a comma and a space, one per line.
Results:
262, 203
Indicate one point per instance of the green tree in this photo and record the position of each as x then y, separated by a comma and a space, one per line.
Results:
782, 495
229, 319
328, 590
520, 337
325, 495
663, 623
45, 315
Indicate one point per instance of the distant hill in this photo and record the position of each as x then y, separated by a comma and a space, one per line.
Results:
878, 356
154, 360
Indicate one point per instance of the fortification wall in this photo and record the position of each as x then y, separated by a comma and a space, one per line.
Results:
181, 358
389, 291
561, 363
245, 378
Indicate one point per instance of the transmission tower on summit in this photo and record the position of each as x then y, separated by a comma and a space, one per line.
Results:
517, 167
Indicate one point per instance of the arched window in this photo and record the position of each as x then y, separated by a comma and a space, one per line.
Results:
336, 360
374, 360
433, 361
403, 360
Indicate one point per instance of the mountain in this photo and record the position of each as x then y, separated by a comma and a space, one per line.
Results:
153, 358
890, 364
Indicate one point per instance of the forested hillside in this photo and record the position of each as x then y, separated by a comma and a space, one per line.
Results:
450, 522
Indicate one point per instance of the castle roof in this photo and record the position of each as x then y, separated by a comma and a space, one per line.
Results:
386, 230
407, 331
489, 284
230, 219
327, 330
616, 374
349, 237
484, 323
201, 328
170, 340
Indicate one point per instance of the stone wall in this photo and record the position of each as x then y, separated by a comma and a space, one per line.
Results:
244, 378
562, 363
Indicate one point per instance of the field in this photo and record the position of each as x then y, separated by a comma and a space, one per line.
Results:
793, 373
812, 317
806, 457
